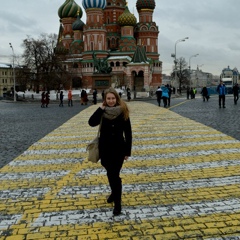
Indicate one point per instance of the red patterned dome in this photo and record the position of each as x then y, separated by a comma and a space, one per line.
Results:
145, 4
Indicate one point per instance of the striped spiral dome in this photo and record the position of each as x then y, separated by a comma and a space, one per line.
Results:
69, 9
94, 4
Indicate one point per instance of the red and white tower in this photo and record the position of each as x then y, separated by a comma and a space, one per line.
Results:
95, 32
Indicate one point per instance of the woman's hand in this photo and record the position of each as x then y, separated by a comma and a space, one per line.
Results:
103, 106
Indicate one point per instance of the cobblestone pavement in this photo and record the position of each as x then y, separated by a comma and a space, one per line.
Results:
182, 182
24, 123
226, 120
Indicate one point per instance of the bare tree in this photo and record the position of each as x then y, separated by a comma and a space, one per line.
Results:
47, 70
183, 74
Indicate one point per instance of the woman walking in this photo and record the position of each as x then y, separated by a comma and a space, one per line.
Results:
43, 99
47, 98
115, 141
61, 99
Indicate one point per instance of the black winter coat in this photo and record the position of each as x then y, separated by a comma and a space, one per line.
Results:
115, 135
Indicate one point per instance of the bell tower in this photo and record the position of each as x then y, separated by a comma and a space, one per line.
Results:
146, 30
94, 31
113, 10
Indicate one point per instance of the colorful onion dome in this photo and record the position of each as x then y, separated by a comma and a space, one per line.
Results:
145, 4
78, 24
94, 4
69, 9
127, 18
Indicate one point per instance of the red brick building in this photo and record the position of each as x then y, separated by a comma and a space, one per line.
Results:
113, 35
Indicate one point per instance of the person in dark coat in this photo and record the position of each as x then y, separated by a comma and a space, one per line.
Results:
128, 95
115, 141
159, 95
43, 99
188, 92
235, 93
61, 99
84, 97
95, 96
192, 93
47, 98
205, 94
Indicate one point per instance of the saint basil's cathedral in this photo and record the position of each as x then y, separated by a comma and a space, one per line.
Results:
110, 36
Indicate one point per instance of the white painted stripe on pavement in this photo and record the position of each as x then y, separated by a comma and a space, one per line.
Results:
184, 154
162, 169
7, 220
104, 215
17, 194
30, 175
188, 144
135, 139
93, 133
144, 147
152, 186
54, 151
45, 162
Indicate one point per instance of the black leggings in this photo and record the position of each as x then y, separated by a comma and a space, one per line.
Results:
113, 167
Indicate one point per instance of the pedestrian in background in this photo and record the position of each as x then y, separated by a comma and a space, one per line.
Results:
95, 96
70, 102
84, 97
128, 95
61, 99
159, 95
165, 95
205, 93
194, 92
102, 95
47, 98
235, 93
191, 93
169, 94
188, 92
43, 99
115, 141
221, 89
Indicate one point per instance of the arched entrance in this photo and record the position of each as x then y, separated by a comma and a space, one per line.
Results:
76, 82
138, 81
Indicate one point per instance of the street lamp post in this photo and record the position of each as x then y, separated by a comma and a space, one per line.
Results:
195, 55
198, 66
175, 55
14, 76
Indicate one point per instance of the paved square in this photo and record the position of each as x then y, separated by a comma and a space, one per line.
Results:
182, 182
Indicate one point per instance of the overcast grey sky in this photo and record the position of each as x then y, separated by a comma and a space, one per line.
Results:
211, 25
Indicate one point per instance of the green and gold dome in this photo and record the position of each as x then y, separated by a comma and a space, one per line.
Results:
69, 9
78, 24
127, 18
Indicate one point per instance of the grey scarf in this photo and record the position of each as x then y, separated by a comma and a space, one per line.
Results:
112, 112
